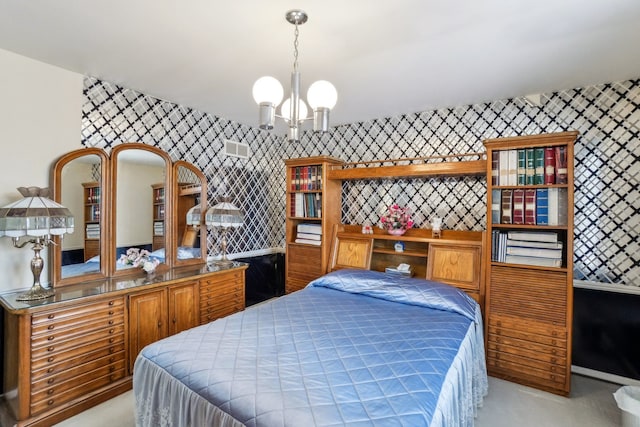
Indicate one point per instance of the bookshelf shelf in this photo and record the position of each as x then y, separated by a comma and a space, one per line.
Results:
159, 226
312, 204
529, 273
92, 211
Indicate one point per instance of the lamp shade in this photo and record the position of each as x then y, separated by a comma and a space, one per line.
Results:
194, 215
224, 215
35, 215
268, 89
285, 109
322, 94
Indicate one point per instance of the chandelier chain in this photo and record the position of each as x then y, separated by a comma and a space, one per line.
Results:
295, 49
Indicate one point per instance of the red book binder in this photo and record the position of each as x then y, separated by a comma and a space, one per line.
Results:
518, 206
549, 165
561, 164
506, 202
495, 167
530, 206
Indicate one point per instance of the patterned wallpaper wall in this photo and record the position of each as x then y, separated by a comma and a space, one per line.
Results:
607, 168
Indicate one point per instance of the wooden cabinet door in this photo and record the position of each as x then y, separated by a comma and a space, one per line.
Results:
183, 307
147, 320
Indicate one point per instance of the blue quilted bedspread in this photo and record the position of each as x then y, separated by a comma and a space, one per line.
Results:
355, 348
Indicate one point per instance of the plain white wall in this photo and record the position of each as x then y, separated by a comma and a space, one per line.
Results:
40, 119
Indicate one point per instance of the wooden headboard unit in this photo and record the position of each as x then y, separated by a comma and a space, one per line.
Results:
454, 258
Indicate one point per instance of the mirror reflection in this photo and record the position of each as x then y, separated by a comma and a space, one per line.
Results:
189, 187
140, 206
80, 193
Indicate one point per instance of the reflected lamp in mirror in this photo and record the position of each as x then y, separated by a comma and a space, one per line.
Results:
194, 221
38, 217
224, 216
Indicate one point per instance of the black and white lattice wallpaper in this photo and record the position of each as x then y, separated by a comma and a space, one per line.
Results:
607, 199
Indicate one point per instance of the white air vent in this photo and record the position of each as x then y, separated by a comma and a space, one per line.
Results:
236, 149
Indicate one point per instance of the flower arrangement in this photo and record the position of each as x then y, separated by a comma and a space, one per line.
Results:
139, 258
396, 220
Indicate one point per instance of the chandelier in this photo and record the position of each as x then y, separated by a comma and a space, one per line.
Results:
268, 93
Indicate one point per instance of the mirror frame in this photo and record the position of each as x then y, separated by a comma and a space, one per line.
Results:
202, 233
105, 203
168, 204
108, 170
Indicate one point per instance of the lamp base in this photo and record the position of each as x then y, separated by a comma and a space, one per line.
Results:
35, 293
223, 262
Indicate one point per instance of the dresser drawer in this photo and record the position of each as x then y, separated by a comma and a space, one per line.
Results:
81, 312
53, 345
55, 396
530, 349
60, 361
71, 325
221, 279
211, 292
550, 376
99, 367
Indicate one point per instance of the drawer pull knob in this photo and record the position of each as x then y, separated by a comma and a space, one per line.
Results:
50, 380
51, 316
111, 331
111, 340
50, 348
111, 313
49, 370
51, 359
111, 350
111, 322
111, 302
51, 338
50, 402
50, 327
50, 391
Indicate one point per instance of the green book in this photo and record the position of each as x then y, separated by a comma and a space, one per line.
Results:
522, 167
530, 169
538, 163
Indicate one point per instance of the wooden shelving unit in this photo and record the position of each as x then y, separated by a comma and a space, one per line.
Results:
92, 212
318, 203
415, 167
529, 307
158, 226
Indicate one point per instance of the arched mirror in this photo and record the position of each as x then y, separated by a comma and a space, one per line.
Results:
190, 203
81, 183
141, 203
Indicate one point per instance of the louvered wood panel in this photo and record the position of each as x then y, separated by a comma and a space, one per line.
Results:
529, 294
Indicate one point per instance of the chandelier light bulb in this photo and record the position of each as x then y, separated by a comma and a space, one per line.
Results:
285, 109
322, 94
268, 89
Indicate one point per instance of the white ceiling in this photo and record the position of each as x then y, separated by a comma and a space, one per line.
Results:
385, 57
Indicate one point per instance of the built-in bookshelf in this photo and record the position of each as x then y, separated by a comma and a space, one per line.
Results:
530, 271
92, 211
313, 204
158, 216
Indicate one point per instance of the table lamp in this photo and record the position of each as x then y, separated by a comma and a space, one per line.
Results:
224, 216
38, 217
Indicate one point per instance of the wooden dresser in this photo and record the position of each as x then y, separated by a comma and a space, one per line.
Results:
77, 349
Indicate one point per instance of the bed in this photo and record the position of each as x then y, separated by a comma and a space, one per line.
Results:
355, 347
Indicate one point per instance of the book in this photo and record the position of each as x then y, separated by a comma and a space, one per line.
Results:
306, 227
542, 206
506, 216
495, 167
513, 168
530, 169
558, 209
495, 206
530, 206
503, 171
309, 242
522, 167
561, 164
534, 252
534, 236
532, 244
531, 260
518, 206
538, 163
549, 165
309, 236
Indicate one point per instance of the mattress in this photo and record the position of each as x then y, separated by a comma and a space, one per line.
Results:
355, 348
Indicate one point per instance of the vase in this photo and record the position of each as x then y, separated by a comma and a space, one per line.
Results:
396, 231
